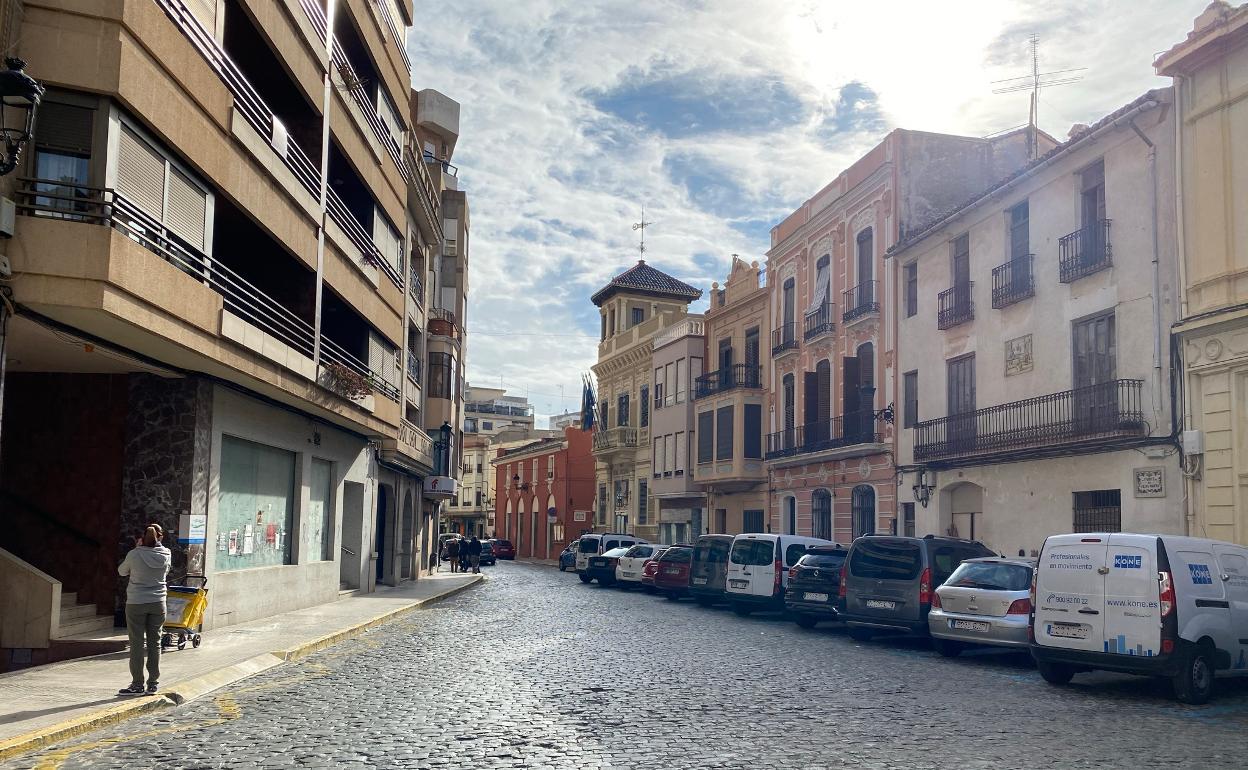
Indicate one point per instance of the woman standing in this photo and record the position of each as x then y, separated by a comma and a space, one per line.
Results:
146, 566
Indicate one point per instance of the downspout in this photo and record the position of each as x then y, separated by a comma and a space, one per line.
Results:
1156, 265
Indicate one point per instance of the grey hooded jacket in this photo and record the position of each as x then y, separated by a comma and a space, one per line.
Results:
146, 568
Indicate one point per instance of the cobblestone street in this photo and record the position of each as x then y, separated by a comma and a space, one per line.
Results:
534, 669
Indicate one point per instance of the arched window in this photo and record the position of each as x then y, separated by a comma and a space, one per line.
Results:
863, 506
821, 513
791, 508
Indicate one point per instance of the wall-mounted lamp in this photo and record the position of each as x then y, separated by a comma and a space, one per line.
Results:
18, 91
924, 483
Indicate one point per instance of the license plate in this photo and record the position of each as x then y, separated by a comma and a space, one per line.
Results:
1068, 631
628, 574
739, 583
813, 597
699, 581
671, 571
970, 625
880, 604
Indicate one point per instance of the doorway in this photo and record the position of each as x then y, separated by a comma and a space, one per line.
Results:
862, 504
384, 535
408, 542
349, 565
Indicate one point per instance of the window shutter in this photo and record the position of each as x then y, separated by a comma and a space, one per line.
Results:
387, 241
205, 11
188, 209
140, 173
64, 127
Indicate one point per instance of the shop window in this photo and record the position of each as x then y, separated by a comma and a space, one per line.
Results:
318, 525
256, 505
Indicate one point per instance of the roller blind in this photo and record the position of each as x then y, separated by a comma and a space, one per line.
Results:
188, 209
140, 173
388, 242
64, 127
206, 12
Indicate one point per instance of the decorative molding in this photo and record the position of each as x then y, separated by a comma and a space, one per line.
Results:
822, 246
863, 219
1150, 481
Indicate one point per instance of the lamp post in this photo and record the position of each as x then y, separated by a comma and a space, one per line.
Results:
21, 92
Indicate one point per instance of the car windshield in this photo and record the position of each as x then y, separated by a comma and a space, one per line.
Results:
639, 551
885, 559
712, 551
589, 546
677, 556
755, 553
823, 560
991, 576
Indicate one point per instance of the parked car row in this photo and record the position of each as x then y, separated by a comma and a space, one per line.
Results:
1174, 607
491, 550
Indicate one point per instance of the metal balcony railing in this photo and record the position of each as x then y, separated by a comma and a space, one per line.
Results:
727, 378
1107, 412
860, 300
784, 338
819, 322
415, 286
508, 411
1085, 251
447, 168
413, 366
1013, 281
384, 6
955, 306
862, 427
622, 437
356, 233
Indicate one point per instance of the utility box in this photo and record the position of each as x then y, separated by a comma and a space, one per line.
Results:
1192, 442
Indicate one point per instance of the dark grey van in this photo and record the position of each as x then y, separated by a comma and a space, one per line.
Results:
889, 581
709, 571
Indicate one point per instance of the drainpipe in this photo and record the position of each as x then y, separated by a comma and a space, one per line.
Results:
326, 103
1156, 264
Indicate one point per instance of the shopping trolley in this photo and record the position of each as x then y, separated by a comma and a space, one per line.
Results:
184, 614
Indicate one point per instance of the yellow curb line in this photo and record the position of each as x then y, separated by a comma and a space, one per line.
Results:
112, 715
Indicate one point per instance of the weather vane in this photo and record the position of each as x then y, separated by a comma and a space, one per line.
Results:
642, 225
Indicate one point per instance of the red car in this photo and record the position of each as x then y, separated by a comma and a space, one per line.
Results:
648, 571
503, 549
672, 576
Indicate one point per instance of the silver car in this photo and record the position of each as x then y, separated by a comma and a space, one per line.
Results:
985, 601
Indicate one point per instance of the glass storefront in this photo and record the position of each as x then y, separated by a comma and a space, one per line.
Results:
256, 507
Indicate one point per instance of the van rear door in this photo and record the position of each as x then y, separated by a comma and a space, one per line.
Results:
1132, 597
751, 566
1070, 593
1233, 566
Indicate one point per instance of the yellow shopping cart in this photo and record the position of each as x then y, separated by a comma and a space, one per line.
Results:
184, 614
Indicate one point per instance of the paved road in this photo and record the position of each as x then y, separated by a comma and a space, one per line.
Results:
533, 669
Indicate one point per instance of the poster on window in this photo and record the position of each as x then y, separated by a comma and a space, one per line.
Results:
255, 504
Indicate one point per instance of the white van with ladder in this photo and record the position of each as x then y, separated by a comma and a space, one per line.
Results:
597, 543
1156, 605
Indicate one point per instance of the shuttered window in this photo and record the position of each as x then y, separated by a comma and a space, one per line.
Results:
753, 431
723, 433
706, 437
383, 359
205, 11
188, 210
679, 457
149, 180
64, 127
140, 173
910, 399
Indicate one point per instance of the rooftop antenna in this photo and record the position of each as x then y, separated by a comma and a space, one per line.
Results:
642, 225
1034, 82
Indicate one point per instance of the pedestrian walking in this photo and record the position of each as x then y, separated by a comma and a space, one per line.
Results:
474, 554
146, 566
452, 553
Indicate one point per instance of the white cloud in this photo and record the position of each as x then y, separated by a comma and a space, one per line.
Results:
554, 183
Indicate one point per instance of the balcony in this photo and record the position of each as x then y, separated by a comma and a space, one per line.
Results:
615, 439
955, 306
836, 433
413, 444
726, 379
1085, 251
415, 287
860, 301
413, 367
1013, 281
784, 339
1094, 418
442, 323
819, 322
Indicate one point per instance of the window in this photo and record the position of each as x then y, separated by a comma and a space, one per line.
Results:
478, 468
487, 425
256, 505
669, 443
910, 396
148, 179
752, 553
912, 289
751, 521
658, 463
794, 553
907, 519
621, 418
789, 295
961, 385
611, 322
680, 380
643, 501
723, 433
62, 155
962, 260
606, 414
1098, 511
862, 505
1092, 195
1095, 351
602, 512
790, 413
658, 387
706, 437
866, 257
885, 560
318, 524
679, 457
751, 352
440, 367
1020, 231
753, 416
602, 334
821, 289
645, 406
821, 513
639, 315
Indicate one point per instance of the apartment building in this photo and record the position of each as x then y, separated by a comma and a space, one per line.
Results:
490, 411
218, 252
830, 465
729, 404
1210, 75
635, 307
679, 352
545, 493
564, 420
1034, 349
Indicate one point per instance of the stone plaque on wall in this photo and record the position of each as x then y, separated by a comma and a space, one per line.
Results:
1018, 355
1150, 481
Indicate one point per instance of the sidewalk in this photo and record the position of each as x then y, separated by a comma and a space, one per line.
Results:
46, 704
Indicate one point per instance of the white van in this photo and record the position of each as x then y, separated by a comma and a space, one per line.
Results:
758, 569
601, 542
1158, 605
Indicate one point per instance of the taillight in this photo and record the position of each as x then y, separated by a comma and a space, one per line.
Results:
775, 586
1019, 607
1034, 573
840, 591
925, 586
792, 572
936, 601
1167, 593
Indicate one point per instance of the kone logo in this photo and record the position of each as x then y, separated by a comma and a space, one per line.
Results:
1127, 561
1200, 574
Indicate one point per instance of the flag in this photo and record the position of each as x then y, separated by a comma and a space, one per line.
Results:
588, 406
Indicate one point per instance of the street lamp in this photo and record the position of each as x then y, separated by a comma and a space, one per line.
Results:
18, 91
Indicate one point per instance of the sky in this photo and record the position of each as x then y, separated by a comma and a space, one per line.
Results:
721, 117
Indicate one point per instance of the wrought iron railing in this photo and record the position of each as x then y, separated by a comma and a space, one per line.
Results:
820, 321
1111, 409
1085, 251
727, 378
955, 305
1013, 281
784, 338
413, 366
860, 300
863, 427
622, 437
415, 286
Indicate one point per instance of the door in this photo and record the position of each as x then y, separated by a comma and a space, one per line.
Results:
960, 392
851, 398
725, 363
790, 412
1070, 594
1132, 597
751, 566
1094, 348
813, 430
1233, 574
1092, 239
381, 535
790, 303
866, 268
1020, 248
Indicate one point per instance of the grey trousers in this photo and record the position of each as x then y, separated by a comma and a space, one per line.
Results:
144, 621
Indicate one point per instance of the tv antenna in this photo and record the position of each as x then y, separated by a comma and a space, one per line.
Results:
642, 225
1034, 83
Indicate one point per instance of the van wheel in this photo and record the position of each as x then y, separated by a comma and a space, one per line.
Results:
741, 610
946, 648
1055, 673
586, 579
806, 621
861, 634
1194, 681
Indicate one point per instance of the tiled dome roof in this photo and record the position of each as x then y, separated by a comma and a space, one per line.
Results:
646, 280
